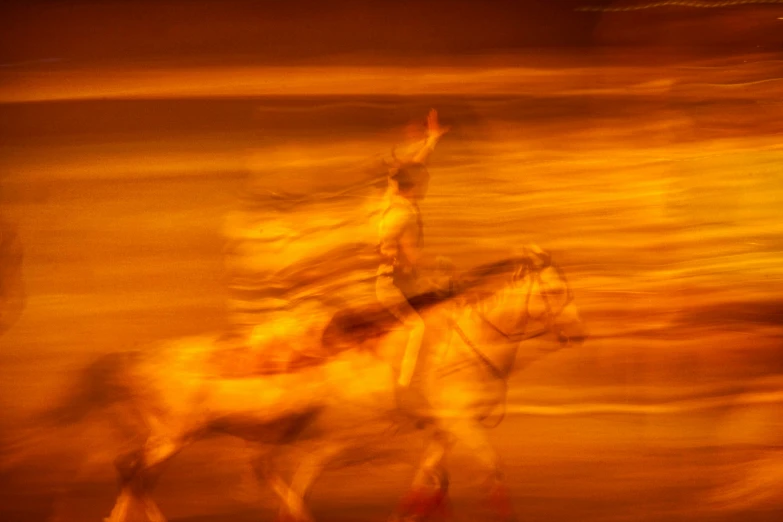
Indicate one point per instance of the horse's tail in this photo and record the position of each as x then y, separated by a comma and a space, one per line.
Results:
98, 386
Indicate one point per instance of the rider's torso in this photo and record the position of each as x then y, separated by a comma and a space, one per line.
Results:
393, 259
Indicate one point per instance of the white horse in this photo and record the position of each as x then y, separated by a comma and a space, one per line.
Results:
472, 353
172, 392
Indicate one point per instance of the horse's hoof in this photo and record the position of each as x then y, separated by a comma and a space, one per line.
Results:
422, 505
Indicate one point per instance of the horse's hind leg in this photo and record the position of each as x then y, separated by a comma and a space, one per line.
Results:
138, 472
292, 498
268, 471
309, 469
127, 466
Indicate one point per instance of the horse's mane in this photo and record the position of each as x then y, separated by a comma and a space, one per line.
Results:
501, 267
481, 289
485, 279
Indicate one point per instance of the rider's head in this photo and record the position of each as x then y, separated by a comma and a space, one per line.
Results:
411, 179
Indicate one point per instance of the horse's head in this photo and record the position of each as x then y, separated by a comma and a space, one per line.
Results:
538, 299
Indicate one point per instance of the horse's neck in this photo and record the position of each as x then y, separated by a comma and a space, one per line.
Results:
508, 310
494, 312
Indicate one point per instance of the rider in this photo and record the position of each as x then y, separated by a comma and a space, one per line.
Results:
400, 234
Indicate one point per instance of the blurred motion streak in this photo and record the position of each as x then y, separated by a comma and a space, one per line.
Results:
706, 4
12, 293
130, 83
191, 198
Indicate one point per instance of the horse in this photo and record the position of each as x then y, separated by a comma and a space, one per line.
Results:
472, 356
172, 393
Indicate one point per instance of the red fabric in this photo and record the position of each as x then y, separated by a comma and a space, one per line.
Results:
424, 502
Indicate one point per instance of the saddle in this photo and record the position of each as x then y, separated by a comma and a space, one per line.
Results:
358, 325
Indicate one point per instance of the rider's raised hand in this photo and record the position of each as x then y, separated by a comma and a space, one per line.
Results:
434, 128
434, 132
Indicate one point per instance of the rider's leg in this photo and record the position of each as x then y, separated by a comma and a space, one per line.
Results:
397, 303
415, 326
409, 390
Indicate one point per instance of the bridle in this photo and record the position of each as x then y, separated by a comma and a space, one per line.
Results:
514, 337
522, 334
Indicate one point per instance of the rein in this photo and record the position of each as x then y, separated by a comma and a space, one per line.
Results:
483, 358
521, 335
514, 337
494, 370
508, 336
491, 367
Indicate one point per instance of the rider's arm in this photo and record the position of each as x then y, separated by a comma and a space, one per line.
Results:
424, 148
419, 152
434, 133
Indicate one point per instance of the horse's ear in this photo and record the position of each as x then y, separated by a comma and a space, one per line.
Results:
538, 257
533, 256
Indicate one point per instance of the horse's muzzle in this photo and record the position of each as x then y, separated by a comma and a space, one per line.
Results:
572, 335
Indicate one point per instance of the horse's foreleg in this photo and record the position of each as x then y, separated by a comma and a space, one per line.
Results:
474, 436
429, 493
292, 497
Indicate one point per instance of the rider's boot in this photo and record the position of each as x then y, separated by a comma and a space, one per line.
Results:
409, 392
